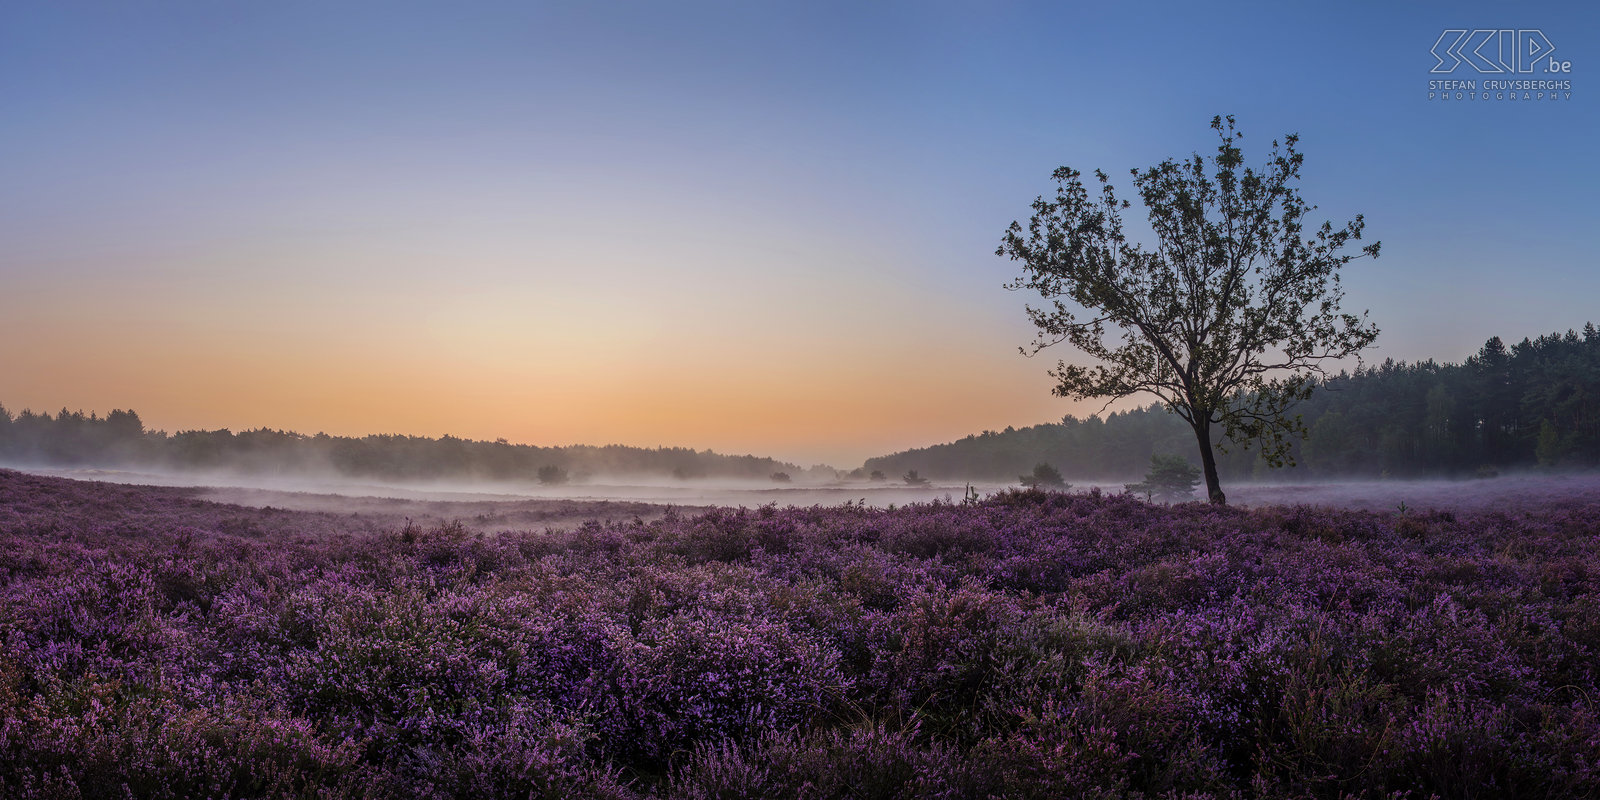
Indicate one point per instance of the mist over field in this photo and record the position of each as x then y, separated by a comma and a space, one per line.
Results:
639, 489
466, 500
1531, 408
1496, 429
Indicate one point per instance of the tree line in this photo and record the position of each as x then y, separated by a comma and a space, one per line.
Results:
120, 439
1535, 404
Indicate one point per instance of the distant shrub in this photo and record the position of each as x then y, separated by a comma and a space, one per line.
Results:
1170, 478
1044, 476
552, 475
780, 477
913, 479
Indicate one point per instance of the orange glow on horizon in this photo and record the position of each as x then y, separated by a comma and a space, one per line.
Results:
547, 368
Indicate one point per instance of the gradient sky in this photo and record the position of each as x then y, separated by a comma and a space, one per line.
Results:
749, 226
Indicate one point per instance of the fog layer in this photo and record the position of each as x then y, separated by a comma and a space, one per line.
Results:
510, 502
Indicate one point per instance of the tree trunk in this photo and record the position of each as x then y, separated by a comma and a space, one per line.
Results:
1208, 460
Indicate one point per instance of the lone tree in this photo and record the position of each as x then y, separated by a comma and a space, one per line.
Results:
1227, 317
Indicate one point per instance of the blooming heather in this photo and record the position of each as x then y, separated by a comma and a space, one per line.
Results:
1029, 645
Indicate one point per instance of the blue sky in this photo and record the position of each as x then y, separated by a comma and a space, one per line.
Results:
759, 227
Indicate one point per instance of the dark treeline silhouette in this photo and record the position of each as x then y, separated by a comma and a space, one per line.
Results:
119, 439
1535, 404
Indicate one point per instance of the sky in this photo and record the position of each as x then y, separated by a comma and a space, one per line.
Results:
755, 227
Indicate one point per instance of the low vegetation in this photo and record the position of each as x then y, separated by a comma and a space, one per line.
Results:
1032, 644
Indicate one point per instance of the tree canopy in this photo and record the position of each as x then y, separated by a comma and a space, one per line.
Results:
1227, 317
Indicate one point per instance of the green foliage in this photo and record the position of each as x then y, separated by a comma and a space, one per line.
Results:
552, 475
1227, 317
1045, 476
1170, 478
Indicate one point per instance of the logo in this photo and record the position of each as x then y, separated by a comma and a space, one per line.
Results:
1510, 52
1507, 51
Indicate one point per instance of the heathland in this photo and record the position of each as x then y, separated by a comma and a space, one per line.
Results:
1030, 644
